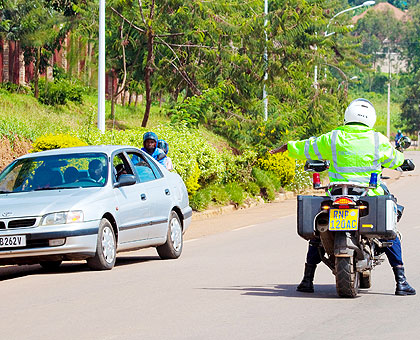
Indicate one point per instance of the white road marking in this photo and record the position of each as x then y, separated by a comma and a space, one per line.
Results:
246, 227
193, 239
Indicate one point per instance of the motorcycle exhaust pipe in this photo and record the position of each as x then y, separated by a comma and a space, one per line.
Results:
322, 224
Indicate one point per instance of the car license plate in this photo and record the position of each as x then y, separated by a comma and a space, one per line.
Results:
12, 241
344, 219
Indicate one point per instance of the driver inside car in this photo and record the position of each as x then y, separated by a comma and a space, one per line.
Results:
355, 150
96, 170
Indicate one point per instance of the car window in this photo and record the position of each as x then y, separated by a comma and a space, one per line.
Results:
143, 167
55, 172
120, 166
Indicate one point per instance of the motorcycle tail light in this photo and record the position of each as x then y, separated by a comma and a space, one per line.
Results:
344, 201
316, 180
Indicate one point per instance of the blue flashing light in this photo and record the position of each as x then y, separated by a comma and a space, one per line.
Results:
373, 180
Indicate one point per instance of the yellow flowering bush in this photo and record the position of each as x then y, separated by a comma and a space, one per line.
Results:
59, 141
191, 182
280, 164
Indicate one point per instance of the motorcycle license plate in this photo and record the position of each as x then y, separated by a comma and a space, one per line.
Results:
344, 219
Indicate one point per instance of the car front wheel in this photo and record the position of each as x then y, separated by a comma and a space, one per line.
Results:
106, 248
172, 249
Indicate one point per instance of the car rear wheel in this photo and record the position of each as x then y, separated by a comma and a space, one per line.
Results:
106, 248
172, 249
50, 265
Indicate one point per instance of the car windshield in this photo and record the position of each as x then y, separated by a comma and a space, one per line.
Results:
55, 172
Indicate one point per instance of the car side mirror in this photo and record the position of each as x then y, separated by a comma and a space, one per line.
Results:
316, 165
408, 165
125, 180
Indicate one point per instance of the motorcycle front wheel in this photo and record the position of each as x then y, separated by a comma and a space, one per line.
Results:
346, 277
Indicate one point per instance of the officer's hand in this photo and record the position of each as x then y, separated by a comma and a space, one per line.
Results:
282, 148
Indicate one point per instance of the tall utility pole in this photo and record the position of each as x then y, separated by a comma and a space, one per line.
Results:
101, 68
266, 62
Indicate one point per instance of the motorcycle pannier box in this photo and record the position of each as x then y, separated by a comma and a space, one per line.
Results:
307, 208
381, 220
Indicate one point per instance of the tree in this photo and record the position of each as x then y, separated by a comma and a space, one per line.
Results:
410, 115
36, 26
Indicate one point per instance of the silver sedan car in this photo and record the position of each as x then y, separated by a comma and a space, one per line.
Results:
88, 203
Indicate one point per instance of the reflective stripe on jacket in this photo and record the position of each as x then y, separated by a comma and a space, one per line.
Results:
354, 152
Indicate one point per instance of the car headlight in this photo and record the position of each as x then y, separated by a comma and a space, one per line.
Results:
62, 217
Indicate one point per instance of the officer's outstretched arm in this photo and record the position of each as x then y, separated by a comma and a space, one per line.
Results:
282, 148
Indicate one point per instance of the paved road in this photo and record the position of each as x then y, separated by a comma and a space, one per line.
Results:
239, 284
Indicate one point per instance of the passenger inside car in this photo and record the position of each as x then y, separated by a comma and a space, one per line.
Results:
71, 175
45, 178
120, 170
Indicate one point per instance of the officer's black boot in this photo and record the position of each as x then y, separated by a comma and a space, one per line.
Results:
403, 288
307, 284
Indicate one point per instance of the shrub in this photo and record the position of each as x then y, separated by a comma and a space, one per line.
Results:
265, 183
302, 179
251, 188
15, 88
274, 180
218, 194
49, 142
191, 181
280, 164
238, 168
200, 200
59, 92
236, 193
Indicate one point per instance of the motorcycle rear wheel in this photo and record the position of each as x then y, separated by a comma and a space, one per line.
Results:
346, 277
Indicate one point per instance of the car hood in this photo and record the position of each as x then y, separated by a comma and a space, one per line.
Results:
38, 203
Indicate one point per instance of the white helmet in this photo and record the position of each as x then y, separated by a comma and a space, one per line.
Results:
360, 111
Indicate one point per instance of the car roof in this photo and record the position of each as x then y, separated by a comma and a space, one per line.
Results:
107, 149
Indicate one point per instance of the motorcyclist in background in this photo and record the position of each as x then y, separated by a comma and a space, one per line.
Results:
398, 136
150, 140
355, 150
163, 145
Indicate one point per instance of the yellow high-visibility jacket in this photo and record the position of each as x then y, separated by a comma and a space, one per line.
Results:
354, 152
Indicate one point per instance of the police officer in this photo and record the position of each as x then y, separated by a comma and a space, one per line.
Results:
150, 140
355, 150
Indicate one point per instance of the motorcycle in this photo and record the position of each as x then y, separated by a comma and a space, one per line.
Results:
350, 228
403, 143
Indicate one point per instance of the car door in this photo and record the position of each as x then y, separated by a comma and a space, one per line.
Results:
133, 209
158, 194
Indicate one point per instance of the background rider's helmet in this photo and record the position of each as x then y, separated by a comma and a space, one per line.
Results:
150, 135
399, 131
360, 111
162, 144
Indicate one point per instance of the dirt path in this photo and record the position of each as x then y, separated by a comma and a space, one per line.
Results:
226, 220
